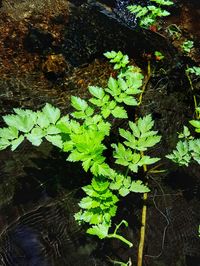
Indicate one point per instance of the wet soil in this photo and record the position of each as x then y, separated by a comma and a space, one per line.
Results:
50, 51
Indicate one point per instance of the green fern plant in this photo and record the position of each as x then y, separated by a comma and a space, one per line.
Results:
193, 70
81, 135
187, 46
188, 147
148, 15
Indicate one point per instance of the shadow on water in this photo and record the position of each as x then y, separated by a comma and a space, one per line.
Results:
37, 225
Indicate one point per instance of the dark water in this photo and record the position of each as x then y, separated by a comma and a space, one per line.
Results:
37, 223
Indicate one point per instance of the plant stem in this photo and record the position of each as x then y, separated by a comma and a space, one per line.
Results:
192, 89
128, 263
120, 238
143, 226
127, 170
145, 82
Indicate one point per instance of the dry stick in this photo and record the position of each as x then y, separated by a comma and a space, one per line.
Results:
143, 227
144, 209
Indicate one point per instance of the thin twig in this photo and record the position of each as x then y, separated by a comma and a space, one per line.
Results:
192, 89
164, 230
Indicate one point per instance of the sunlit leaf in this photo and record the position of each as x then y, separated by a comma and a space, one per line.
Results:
78, 103
139, 187
52, 113
55, 140
15, 143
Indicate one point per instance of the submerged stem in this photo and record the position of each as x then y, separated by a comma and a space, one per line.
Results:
120, 238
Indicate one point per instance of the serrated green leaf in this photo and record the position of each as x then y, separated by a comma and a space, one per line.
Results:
122, 84
52, 113
138, 10
68, 146
122, 155
144, 143
124, 191
83, 216
24, 112
15, 143
186, 131
53, 130
78, 103
96, 218
105, 112
142, 12
136, 157
22, 123
117, 57
99, 184
115, 185
147, 160
127, 182
106, 99
36, 141
75, 156
79, 115
98, 92
117, 66
64, 125
4, 143
89, 111
87, 203
182, 147
37, 131
110, 55
129, 100
145, 124
133, 167
86, 164
55, 140
139, 187
35, 137
194, 147
104, 127
195, 123
135, 129
78, 216
181, 155
104, 169
111, 105
113, 210
125, 60
42, 120
90, 191
8, 133
125, 134
119, 112
100, 230
97, 102
163, 2
113, 86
